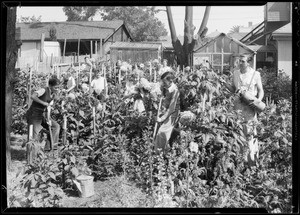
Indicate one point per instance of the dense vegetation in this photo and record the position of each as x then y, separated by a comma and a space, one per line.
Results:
206, 161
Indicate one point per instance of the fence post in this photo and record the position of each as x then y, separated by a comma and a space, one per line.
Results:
64, 51
29, 91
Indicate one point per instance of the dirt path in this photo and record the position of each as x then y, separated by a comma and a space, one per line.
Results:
115, 192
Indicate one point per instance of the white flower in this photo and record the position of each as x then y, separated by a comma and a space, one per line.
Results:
193, 147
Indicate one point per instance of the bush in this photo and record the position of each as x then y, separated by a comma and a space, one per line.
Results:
276, 87
206, 162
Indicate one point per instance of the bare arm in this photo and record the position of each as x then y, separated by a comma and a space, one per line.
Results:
35, 98
260, 89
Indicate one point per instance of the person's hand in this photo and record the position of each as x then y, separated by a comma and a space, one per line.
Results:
49, 122
159, 119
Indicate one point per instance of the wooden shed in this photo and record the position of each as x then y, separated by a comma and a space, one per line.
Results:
135, 52
222, 52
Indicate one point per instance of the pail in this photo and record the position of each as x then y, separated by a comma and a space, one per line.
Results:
87, 185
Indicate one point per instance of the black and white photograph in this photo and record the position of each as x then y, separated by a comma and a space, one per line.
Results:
161, 107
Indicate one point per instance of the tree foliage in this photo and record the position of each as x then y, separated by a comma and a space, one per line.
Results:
140, 21
80, 13
235, 29
28, 19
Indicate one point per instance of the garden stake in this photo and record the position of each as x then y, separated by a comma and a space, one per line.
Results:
187, 180
29, 91
77, 76
50, 131
156, 123
94, 125
64, 124
150, 70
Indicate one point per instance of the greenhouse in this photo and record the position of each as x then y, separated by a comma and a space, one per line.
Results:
221, 52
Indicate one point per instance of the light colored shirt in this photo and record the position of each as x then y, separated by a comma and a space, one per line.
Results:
99, 85
242, 81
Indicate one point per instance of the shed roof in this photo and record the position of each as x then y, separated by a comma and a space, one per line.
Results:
135, 45
70, 30
262, 48
229, 37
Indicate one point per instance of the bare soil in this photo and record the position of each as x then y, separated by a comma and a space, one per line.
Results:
115, 192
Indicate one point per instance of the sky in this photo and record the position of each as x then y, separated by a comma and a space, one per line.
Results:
221, 18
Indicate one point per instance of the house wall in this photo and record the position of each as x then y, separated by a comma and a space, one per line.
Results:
28, 54
284, 48
120, 35
52, 48
135, 55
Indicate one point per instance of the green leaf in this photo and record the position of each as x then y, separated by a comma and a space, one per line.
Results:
73, 159
50, 191
75, 172
67, 168
52, 175
81, 113
42, 186
65, 161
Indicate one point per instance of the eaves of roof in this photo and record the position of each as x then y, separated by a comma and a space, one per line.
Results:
231, 38
70, 30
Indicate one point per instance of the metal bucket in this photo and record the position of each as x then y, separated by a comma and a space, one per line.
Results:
87, 185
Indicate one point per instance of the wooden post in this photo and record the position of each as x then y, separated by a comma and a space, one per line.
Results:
96, 51
94, 124
120, 76
64, 51
115, 73
78, 49
51, 63
77, 75
101, 48
64, 136
91, 43
103, 70
29, 90
64, 130
30, 132
90, 77
254, 61
222, 60
150, 72
42, 47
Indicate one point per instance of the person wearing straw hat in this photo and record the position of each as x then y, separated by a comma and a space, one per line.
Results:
36, 115
246, 79
168, 113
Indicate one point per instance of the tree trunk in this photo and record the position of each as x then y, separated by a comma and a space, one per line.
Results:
184, 52
11, 58
175, 41
189, 41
